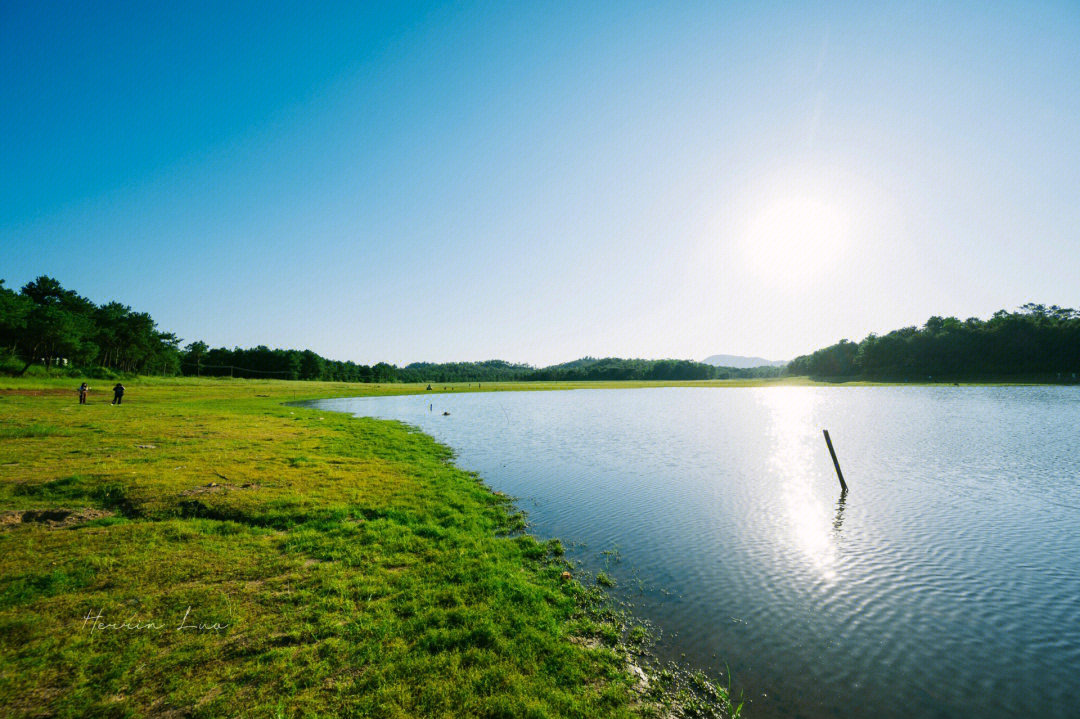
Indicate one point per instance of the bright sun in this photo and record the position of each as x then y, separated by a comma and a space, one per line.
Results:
794, 239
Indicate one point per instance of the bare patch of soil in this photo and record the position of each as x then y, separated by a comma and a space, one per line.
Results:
217, 487
53, 518
39, 392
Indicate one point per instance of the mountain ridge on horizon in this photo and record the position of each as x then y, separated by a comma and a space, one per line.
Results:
741, 362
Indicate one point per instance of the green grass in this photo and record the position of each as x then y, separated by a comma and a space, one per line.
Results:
339, 566
36, 429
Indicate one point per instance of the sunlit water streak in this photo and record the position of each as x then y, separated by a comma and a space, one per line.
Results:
945, 583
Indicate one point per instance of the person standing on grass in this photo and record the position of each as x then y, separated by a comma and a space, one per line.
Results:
83, 389
118, 393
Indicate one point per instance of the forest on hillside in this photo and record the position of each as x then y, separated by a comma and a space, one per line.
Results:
1035, 341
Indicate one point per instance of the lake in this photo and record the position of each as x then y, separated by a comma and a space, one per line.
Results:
945, 583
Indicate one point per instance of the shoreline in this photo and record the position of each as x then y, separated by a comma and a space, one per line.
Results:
317, 562
314, 560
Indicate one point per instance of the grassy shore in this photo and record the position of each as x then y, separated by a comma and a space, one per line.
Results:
205, 550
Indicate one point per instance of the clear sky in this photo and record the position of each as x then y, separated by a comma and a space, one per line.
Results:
541, 181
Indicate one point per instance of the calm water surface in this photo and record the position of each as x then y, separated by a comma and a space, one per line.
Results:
946, 583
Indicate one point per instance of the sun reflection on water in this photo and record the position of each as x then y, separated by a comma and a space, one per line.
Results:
805, 523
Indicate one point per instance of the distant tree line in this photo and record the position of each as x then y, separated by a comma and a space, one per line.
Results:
198, 359
581, 370
613, 368
1035, 341
48, 325
488, 371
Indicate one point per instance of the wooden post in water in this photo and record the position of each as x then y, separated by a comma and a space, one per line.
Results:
832, 452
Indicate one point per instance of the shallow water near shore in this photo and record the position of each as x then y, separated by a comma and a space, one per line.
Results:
946, 582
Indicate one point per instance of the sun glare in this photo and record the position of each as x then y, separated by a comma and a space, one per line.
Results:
795, 239
804, 524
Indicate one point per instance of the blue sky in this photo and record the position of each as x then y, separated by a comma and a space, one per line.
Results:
538, 182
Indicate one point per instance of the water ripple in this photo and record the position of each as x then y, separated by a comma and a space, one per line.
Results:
945, 583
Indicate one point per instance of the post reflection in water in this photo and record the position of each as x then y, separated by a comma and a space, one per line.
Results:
804, 524
838, 521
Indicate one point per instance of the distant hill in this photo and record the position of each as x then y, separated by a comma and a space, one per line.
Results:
742, 362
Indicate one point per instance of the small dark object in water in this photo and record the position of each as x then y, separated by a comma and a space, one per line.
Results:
445, 414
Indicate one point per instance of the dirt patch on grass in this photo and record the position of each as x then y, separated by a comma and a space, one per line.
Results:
39, 392
53, 518
587, 642
217, 487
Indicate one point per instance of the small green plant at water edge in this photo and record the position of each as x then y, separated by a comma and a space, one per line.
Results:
639, 636
692, 694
